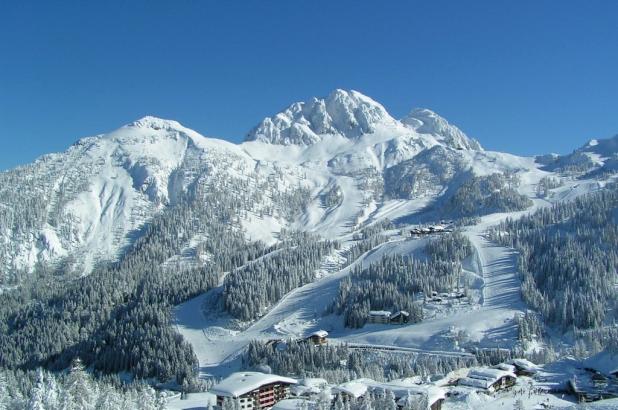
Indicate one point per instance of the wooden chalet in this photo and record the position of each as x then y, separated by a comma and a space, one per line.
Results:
400, 317
488, 379
318, 337
379, 316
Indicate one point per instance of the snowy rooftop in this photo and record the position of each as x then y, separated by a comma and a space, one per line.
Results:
354, 388
319, 333
380, 313
525, 365
433, 393
401, 389
605, 362
472, 382
241, 383
491, 375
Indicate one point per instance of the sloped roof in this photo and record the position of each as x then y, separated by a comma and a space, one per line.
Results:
478, 383
380, 313
319, 333
492, 375
240, 383
354, 388
605, 362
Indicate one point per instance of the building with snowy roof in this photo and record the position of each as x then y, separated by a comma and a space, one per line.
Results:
403, 391
353, 389
318, 337
606, 362
524, 367
308, 386
400, 317
379, 316
253, 390
488, 379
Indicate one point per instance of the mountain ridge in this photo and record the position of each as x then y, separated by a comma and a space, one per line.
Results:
85, 205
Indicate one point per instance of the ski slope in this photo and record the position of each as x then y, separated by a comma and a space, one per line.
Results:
218, 343
301, 312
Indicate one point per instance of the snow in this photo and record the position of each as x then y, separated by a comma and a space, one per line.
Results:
384, 313
347, 113
319, 333
605, 362
241, 383
491, 375
353, 388
294, 404
194, 401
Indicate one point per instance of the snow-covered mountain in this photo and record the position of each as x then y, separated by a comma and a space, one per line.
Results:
596, 157
342, 160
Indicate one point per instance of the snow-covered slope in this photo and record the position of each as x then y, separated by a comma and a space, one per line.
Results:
596, 157
84, 205
329, 165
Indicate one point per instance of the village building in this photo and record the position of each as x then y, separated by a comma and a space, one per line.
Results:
597, 378
379, 316
308, 387
318, 337
524, 367
435, 397
488, 379
350, 390
253, 390
400, 317
593, 386
404, 392
386, 317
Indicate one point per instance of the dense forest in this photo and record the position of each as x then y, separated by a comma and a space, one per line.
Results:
117, 318
249, 291
483, 195
76, 390
340, 363
569, 259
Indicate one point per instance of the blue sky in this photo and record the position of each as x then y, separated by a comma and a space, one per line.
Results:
521, 76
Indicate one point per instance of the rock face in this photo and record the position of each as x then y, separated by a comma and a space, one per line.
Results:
346, 113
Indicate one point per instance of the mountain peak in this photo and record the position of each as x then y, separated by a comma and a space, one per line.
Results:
346, 113
426, 121
155, 123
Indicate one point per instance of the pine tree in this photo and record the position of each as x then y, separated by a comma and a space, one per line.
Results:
79, 390
4, 392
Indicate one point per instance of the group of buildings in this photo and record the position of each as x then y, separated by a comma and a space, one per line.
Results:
255, 390
387, 317
596, 379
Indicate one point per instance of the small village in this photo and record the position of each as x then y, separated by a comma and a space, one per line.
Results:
257, 390
514, 378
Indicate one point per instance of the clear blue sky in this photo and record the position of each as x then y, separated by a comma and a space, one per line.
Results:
521, 76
